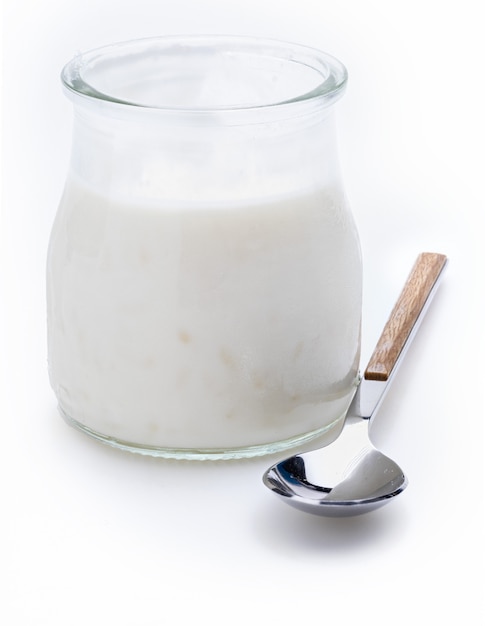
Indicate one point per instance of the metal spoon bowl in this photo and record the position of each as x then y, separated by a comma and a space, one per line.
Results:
350, 476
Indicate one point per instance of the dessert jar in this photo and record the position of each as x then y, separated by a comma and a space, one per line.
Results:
204, 272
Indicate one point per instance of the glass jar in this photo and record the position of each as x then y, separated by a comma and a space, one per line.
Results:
204, 269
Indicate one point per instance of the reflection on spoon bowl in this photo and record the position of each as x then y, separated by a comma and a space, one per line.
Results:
338, 484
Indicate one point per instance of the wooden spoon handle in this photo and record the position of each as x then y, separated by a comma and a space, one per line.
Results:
405, 314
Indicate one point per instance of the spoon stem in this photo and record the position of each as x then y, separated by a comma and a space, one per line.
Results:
406, 315
397, 335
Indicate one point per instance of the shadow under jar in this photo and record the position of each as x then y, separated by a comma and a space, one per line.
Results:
204, 269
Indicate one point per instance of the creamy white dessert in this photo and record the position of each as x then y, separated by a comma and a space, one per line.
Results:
203, 327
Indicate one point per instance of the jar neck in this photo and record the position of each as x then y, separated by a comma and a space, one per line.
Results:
166, 159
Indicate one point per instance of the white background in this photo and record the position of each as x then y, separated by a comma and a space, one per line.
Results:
94, 536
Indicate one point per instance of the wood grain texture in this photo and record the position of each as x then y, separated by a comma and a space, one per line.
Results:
413, 297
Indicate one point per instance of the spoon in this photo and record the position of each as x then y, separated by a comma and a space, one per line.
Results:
350, 476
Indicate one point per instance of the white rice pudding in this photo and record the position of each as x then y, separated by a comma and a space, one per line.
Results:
203, 327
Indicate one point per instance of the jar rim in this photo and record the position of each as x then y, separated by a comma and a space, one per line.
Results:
93, 76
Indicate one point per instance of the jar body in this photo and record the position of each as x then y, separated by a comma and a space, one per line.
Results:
204, 283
